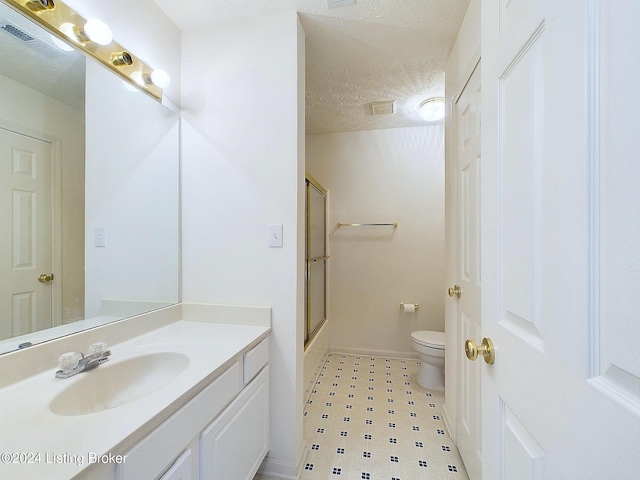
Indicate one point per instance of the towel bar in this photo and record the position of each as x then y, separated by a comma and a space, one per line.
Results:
394, 225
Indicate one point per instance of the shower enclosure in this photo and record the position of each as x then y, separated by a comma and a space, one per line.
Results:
315, 258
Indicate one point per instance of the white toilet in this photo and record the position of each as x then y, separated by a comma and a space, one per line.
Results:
430, 347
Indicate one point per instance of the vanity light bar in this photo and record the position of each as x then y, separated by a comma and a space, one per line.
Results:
55, 16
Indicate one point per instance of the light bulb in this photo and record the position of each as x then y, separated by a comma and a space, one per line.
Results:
431, 110
160, 78
137, 77
69, 30
98, 32
61, 45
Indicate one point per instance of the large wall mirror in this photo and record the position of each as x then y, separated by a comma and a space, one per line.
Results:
88, 191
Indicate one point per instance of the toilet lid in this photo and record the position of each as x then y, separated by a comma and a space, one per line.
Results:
429, 338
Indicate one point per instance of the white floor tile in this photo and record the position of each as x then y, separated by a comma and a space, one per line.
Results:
368, 419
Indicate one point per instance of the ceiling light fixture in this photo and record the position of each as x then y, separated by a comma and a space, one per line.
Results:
431, 109
38, 6
94, 38
121, 58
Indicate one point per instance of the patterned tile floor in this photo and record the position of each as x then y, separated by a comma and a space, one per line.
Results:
367, 418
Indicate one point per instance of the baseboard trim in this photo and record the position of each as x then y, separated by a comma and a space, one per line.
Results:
316, 377
447, 424
375, 353
277, 470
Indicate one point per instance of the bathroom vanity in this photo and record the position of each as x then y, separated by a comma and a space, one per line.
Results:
184, 395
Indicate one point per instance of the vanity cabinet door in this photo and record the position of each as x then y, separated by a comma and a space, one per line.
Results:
181, 469
150, 457
234, 445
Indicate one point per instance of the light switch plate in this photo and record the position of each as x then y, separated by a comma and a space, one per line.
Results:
275, 235
100, 234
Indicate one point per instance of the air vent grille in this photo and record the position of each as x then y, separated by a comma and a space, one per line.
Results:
16, 32
35, 43
340, 3
387, 107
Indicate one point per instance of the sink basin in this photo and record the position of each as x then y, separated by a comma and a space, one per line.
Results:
114, 384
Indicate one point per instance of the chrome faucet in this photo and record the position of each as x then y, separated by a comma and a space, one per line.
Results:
72, 363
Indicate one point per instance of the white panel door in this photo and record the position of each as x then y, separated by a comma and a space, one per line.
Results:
560, 239
25, 234
467, 137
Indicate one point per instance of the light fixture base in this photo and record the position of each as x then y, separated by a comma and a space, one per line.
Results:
432, 109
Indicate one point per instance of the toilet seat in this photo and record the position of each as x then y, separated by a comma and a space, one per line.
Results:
429, 339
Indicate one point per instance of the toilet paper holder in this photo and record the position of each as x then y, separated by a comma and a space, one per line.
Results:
415, 305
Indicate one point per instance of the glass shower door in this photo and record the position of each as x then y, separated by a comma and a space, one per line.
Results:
316, 258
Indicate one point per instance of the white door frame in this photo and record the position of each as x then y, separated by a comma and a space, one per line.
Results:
56, 232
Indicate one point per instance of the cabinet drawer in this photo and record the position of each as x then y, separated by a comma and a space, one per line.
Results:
255, 359
152, 455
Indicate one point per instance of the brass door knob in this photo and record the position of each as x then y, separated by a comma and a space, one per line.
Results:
486, 349
455, 290
45, 277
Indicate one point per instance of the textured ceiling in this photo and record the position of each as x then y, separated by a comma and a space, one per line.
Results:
373, 51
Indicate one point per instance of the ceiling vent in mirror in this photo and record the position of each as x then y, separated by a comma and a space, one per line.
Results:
16, 32
387, 107
340, 3
28, 39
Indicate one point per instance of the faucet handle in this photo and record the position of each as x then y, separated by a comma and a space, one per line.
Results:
98, 347
68, 361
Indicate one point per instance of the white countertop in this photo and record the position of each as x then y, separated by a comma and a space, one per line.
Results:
59, 447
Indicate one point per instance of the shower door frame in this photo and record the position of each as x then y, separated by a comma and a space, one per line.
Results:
310, 332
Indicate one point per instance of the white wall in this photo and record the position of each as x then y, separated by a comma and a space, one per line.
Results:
380, 176
132, 192
466, 50
28, 111
243, 168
